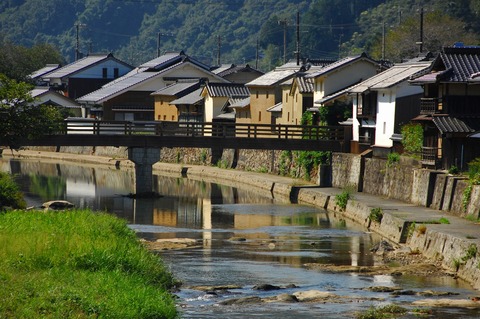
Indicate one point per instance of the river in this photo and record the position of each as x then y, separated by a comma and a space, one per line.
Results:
243, 238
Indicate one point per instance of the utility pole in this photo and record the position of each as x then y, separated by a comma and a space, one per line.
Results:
256, 57
284, 23
77, 45
219, 46
160, 34
421, 30
298, 38
383, 41
158, 44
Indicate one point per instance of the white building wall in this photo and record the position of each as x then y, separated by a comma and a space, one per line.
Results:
357, 100
385, 118
405, 89
209, 107
96, 71
343, 78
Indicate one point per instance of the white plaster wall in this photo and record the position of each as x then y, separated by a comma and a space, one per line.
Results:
385, 117
357, 99
343, 78
96, 71
208, 113
405, 89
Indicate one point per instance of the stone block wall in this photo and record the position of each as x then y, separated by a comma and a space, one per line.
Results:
346, 170
409, 183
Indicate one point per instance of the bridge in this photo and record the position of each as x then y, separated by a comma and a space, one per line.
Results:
145, 139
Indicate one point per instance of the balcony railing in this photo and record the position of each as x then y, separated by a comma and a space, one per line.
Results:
429, 106
431, 156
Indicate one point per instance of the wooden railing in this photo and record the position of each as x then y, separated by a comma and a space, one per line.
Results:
202, 129
428, 106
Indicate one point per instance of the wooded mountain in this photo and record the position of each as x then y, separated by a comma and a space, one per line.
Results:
131, 29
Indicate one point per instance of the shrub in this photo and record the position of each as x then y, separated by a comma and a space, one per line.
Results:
453, 170
309, 160
376, 214
388, 311
10, 195
393, 158
422, 229
412, 138
285, 162
474, 169
470, 253
444, 220
342, 198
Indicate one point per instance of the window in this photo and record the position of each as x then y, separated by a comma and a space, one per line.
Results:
384, 127
164, 117
104, 73
256, 94
259, 116
115, 73
267, 94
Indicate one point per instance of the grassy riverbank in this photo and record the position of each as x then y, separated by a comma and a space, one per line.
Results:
78, 264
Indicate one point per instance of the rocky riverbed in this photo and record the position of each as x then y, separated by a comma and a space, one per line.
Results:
391, 260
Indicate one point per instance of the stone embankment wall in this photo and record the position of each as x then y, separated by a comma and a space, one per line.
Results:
405, 181
458, 247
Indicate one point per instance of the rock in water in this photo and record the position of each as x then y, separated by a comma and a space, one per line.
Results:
382, 247
57, 205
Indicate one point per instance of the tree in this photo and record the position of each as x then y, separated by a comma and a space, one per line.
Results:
439, 30
17, 62
20, 118
10, 194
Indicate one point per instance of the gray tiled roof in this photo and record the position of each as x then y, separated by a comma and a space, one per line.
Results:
48, 68
77, 66
338, 64
464, 61
157, 63
272, 78
390, 77
454, 64
223, 68
189, 99
169, 59
305, 85
112, 90
228, 69
239, 102
450, 124
276, 108
227, 89
177, 88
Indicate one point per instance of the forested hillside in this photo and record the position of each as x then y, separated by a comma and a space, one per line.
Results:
131, 29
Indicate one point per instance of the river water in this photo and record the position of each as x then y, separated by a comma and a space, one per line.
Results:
244, 237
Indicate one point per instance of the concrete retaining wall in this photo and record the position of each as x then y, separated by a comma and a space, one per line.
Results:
402, 181
451, 249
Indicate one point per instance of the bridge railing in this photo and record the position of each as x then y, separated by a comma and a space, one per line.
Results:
203, 129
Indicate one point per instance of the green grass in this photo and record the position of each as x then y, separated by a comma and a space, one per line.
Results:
78, 264
384, 312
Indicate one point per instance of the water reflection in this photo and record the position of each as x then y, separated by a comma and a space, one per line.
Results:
244, 236
274, 230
